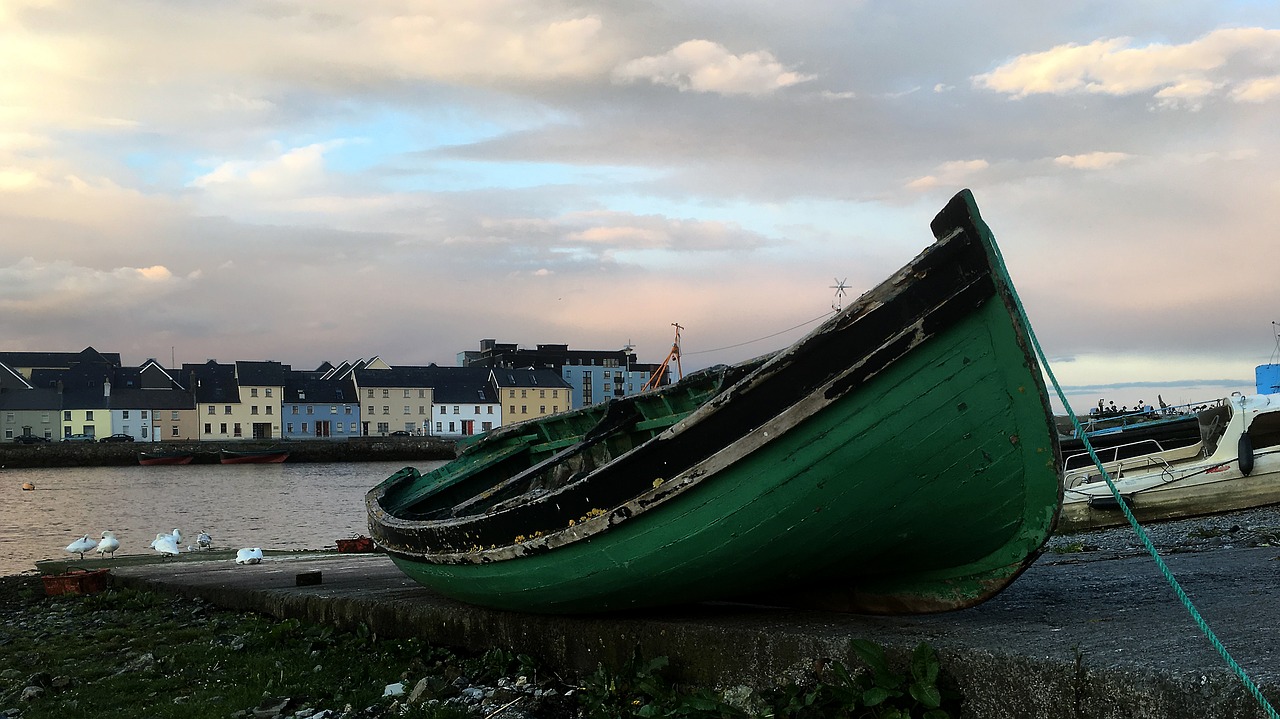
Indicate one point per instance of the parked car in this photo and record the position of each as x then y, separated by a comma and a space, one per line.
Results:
30, 439
78, 438
400, 433
117, 438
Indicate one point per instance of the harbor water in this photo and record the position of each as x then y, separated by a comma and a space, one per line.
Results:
273, 506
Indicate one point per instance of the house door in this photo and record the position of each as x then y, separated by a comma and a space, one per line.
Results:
261, 430
468, 427
322, 428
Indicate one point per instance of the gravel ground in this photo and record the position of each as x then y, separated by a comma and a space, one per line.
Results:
1247, 528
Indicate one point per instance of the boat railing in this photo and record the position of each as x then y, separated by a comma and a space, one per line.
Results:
1142, 455
1106, 421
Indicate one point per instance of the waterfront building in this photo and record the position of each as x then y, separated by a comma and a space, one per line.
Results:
593, 376
530, 393
261, 386
318, 408
392, 399
465, 402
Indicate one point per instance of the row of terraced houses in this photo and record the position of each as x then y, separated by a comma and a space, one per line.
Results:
55, 395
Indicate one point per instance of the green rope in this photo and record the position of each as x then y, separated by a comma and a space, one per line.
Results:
1124, 506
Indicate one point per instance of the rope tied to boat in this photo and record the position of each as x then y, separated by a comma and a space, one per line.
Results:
1250, 686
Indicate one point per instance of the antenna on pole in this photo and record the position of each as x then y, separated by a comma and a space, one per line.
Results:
840, 288
664, 369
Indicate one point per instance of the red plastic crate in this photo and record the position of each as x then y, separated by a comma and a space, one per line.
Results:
76, 581
359, 544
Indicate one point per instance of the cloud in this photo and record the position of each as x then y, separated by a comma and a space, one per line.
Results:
705, 66
1092, 160
949, 174
1240, 61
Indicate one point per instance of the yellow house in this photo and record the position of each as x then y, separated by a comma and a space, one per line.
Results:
530, 393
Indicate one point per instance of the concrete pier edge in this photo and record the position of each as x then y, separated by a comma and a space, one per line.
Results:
1033, 651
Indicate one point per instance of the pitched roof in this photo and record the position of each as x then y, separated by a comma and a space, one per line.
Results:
540, 378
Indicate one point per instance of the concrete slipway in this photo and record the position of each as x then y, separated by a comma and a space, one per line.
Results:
1078, 635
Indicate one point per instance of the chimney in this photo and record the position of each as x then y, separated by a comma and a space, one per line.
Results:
106, 387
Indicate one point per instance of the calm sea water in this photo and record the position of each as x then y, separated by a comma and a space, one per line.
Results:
273, 506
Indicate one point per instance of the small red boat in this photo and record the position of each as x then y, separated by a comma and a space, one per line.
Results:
264, 456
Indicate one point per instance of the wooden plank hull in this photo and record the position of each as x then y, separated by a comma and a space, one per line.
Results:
264, 457
901, 458
149, 459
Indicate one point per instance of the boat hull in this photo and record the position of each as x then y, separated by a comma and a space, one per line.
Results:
229, 457
148, 460
1196, 492
900, 459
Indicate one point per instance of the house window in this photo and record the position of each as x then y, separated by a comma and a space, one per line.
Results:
524, 393
486, 426
422, 393
268, 409
489, 409
542, 409
175, 431
237, 432
213, 410
370, 410
226, 409
511, 393
294, 409
208, 428
477, 409
304, 427
44, 417
438, 429
88, 415
406, 394
124, 429
455, 409
542, 394
253, 392
144, 414
253, 409
333, 409
353, 428
386, 409
347, 409
173, 416
288, 428
222, 427
407, 410
422, 409
66, 416
124, 414
311, 409
268, 391
513, 409
524, 409
370, 394
384, 427
386, 393
451, 427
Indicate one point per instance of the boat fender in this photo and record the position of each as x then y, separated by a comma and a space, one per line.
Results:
1246, 454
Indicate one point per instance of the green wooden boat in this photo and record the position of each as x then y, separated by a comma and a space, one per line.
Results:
900, 458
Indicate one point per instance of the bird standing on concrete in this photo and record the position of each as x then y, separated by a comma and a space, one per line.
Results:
81, 545
165, 545
109, 544
204, 540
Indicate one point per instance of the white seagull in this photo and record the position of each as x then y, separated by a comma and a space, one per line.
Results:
109, 544
81, 545
249, 555
165, 544
204, 540
177, 536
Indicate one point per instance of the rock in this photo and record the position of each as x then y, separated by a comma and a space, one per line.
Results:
419, 689
31, 694
472, 695
393, 690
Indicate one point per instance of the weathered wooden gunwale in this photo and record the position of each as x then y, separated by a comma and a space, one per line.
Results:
900, 458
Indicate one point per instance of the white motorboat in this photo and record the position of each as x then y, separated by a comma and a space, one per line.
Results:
1235, 465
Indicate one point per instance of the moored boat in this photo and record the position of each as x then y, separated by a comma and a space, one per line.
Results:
900, 458
1235, 464
162, 457
263, 456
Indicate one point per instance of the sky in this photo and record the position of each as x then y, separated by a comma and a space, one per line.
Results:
324, 180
